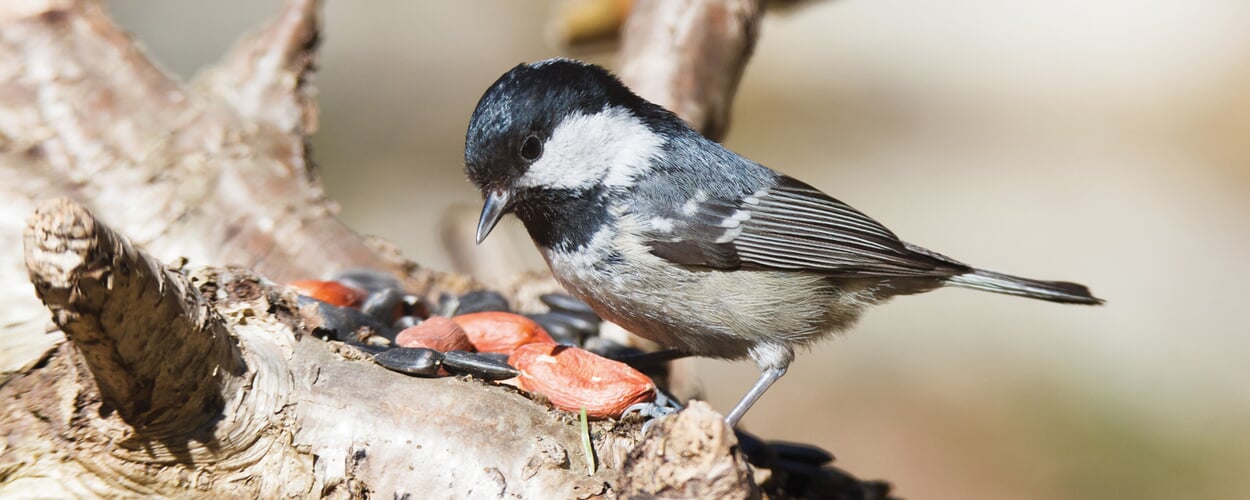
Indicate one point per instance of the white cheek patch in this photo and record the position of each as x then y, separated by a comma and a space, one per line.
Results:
611, 147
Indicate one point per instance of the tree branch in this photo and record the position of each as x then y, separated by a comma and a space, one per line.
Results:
131, 319
689, 55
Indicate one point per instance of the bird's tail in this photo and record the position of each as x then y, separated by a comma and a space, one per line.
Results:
1054, 291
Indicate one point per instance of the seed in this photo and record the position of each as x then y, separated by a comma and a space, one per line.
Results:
330, 292
495, 331
384, 305
369, 280
478, 365
369, 348
573, 378
405, 322
328, 321
609, 348
567, 303
799, 452
438, 333
415, 305
560, 331
497, 356
754, 449
417, 361
482, 301
581, 326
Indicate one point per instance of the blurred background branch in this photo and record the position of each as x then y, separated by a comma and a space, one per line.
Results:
689, 56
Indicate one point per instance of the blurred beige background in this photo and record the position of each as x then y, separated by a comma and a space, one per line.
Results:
1105, 142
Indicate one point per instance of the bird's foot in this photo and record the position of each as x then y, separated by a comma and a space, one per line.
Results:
663, 406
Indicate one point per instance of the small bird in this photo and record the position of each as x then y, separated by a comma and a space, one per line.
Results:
681, 241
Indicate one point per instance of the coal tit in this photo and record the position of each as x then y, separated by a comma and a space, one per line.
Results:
681, 241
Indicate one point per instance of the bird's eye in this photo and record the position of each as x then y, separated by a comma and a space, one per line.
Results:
531, 149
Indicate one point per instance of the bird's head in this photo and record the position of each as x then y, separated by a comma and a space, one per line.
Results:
557, 129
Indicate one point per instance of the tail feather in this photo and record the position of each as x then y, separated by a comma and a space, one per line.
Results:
1054, 291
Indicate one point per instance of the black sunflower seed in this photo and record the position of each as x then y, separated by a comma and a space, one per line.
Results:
567, 303
417, 361
482, 301
477, 365
380, 305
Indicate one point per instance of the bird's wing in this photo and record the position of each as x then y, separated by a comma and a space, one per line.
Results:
790, 226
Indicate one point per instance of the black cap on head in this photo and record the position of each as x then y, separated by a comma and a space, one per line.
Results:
530, 101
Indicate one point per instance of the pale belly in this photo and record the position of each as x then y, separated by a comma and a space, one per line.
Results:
725, 314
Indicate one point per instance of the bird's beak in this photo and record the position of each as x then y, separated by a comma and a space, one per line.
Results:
498, 202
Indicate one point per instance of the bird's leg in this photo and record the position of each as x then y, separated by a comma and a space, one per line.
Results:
767, 377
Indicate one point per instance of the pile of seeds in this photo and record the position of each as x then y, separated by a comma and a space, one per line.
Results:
557, 353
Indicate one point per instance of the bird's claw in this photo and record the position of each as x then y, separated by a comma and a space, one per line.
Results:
663, 406
650, 410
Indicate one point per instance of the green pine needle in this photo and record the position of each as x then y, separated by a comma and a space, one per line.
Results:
587, 448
